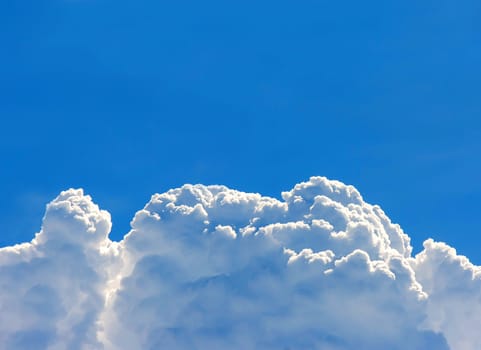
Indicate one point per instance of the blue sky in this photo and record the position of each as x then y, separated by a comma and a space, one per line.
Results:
126, 100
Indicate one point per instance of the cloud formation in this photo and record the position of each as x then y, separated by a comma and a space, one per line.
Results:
208, 267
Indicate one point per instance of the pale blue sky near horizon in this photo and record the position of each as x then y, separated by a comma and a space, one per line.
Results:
126, 99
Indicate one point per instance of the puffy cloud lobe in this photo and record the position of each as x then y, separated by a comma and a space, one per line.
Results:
207, 267
53, 288
454, 287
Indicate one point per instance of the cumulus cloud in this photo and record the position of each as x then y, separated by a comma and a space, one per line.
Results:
52, 289
208, 267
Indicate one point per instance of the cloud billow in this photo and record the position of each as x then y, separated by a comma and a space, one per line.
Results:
208, 267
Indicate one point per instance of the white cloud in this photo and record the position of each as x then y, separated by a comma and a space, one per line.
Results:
454, 287
53, 288
207, 267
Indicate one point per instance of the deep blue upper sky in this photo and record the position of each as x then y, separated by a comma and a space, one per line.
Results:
128, 98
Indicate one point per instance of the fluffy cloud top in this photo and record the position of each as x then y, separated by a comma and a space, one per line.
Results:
207, 267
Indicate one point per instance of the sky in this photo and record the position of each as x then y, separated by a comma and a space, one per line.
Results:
126, 99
